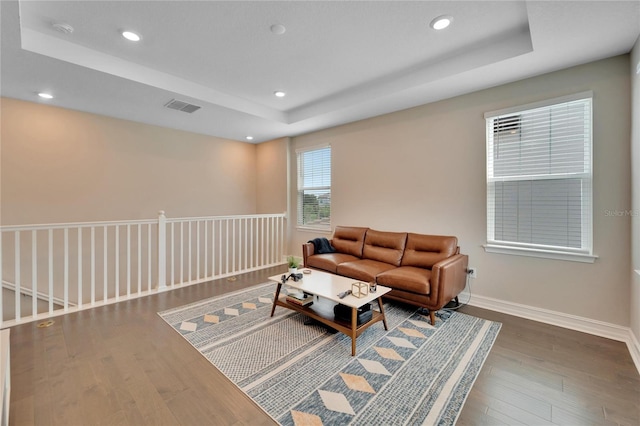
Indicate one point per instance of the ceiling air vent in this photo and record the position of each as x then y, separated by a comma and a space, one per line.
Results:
182, 106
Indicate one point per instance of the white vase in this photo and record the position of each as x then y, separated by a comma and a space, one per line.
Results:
293, 270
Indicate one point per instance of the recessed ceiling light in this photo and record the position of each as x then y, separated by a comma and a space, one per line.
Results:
130, 36
278, 29
249, 138
441, 22
44, 95
279, 94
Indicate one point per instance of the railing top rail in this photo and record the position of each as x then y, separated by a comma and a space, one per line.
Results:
40, 226
246, 216
35, 227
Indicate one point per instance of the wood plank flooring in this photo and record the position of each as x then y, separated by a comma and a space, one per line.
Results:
537, 374
121, 364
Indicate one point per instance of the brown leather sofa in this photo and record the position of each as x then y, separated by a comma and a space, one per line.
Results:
423, 270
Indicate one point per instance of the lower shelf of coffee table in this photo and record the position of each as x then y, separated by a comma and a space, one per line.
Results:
322, 311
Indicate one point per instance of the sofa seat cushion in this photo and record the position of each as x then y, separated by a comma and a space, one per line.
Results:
407, 278
363, 270
329, 261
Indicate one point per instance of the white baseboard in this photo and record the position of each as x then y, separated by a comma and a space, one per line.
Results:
634, 349
560, 319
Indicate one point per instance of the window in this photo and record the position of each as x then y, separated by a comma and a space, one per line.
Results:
314, 188
539, 179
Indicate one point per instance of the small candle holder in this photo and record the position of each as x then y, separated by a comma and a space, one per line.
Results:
372, 286
359, 289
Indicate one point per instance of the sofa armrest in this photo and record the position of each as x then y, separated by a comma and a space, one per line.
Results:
307, 250
449, 278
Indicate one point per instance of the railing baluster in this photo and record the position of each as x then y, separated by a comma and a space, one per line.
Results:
206, 249
65, 300
181, 253
262, 244
220, 247
234, 248
139, 258
93, 265
254, 241
189, 276
281, 245
276, 236
17, 275
213, 248
270, 242
265, 242
148, 257
117, 262
105, 269
226, 268
197, 250
246, 231
274, 259
162, 250
270, 228
34, 272
173, 258
79, 302
50, 271
128, 260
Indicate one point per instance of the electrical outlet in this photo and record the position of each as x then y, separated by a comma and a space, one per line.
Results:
473, 272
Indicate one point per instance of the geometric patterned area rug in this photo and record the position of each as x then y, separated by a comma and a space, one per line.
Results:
414, 373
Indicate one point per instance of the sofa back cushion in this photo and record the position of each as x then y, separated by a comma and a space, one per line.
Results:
386, 247
424, 251
349, 240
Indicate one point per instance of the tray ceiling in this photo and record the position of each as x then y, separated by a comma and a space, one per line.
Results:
337, 62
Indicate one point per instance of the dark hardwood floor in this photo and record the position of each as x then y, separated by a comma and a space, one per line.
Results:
121, 364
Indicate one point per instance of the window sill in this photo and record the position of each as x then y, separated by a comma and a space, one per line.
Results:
546, 254
316, 230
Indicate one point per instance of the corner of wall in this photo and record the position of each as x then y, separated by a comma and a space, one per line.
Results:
635, 195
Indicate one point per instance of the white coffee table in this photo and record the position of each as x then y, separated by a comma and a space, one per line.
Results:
327, 287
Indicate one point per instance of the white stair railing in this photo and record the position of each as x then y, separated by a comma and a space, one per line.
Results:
73, 266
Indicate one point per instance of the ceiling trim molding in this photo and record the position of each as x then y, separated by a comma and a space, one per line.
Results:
63, 50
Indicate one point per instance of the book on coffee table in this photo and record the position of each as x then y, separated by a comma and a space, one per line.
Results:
300, 299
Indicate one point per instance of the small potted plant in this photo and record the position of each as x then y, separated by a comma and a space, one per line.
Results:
294, 263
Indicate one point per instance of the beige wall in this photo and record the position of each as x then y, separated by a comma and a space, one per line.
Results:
635, 206
423, 170
60, 165
271, 194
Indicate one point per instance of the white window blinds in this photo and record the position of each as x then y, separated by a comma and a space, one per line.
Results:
314, 187
539, 176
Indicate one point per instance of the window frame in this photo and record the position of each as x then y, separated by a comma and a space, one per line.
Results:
493, 245
300, 188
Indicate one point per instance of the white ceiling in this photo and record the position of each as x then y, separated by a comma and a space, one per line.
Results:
338, 61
